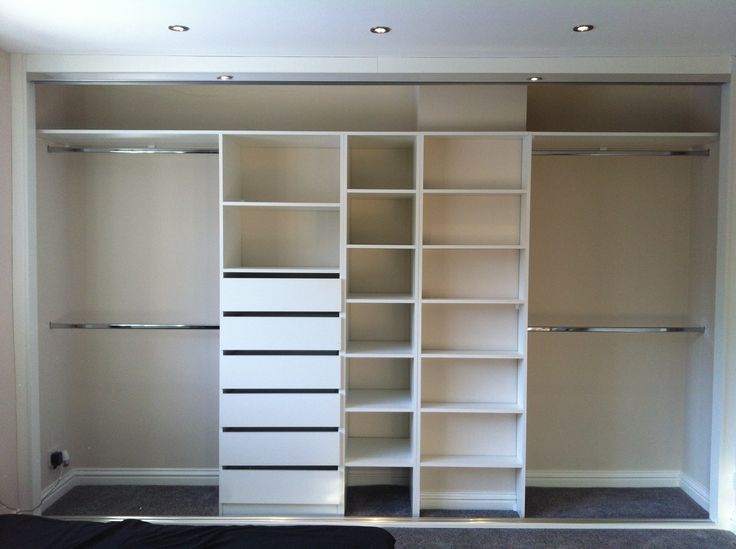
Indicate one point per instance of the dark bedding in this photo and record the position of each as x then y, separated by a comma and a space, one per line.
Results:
31, 532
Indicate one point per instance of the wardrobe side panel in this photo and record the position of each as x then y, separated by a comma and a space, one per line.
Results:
699, 375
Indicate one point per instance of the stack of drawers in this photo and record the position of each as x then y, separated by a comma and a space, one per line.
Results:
280, 404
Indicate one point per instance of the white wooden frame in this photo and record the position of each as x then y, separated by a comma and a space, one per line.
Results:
25, 69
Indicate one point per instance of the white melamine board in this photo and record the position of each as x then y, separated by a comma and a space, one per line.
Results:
286, 270
380, 298
379, 424
380, 220
280, 333
471, 461
287, 205
472, 162
297, 449
471, 408
283, 372
486, 435
459, 219
280, 294
378, 452
469, 381
380, 321
380, 168
379, 349
381, 193
131, 138
470, 273
380, 271
378, 400
623, 140
475, 355
269, 172
280, 238
478, 485
280, 410
274, 487
379, 373
469, 327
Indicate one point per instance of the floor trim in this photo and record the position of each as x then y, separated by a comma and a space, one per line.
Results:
603, 479
697, 491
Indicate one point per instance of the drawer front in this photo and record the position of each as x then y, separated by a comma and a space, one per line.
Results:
280, 372
280, 410
280, 487
295, 449
281, 294
280, 333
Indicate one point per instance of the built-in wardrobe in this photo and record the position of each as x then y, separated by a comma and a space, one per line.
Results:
351, 300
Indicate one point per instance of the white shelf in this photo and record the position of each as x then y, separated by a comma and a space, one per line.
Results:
378, 400
285, 205
472, 407
294, 270
380, 298
381, 193
480, 354
495, 462
386, 349
381, 246
378, 452
132, 138
473, 247
476, 191
472, 301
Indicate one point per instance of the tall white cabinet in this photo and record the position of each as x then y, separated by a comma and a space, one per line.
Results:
373, 319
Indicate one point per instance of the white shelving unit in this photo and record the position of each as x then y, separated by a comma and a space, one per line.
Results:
473, 321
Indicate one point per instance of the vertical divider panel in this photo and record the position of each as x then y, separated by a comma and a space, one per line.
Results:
526, 167
344, 167
223, 158
417, 370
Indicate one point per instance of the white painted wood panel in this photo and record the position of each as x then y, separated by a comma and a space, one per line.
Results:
274, 487
280, 448
280, 294
280, 410
283, 372
280, 333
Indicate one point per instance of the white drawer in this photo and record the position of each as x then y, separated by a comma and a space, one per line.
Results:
280, 487
280, 448
271, 333
280, 372
280, 410
281, 294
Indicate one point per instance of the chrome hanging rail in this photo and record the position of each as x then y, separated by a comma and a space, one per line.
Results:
619, 152
618, 329
129, 326
130, 150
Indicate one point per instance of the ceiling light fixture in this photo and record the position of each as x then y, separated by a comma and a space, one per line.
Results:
178, 28
534, 78
382, 29
583, 28
225, 77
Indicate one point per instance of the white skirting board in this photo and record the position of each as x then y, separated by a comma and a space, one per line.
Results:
444, 500
89, 476
499, 501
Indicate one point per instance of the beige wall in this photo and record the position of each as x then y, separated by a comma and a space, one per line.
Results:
8, 446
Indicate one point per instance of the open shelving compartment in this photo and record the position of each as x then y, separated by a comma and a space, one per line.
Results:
281, 202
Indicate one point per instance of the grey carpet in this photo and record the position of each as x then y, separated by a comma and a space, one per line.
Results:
482, 538
387, 501
612, 503
137, 501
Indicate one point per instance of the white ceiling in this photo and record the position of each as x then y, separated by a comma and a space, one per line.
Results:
337, 28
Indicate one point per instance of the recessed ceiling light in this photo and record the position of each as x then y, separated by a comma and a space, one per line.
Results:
178, 28
534, 78
583, 28
380, 29
225, 77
